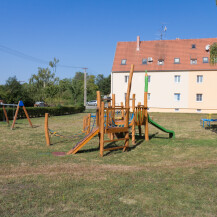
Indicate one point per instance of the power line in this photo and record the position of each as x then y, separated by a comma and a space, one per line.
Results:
22, 55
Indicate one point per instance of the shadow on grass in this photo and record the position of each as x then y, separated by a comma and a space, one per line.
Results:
212, 127
139, 141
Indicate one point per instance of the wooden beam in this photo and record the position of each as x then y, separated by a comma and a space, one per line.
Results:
129, 86
117, 130
6, 116
98, 97
114, 148
101, 130
15, 117
114, 140
26, 113
46, 130
133, 124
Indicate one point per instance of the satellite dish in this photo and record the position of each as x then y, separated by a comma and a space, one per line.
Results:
207, 47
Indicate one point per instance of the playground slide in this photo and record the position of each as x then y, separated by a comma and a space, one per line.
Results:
84, 141
171, 133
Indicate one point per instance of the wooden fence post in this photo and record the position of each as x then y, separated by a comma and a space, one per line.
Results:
46, 130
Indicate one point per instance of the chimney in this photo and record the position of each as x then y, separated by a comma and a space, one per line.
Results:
138, 43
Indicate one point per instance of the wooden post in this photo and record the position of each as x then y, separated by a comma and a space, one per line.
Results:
133, 120
129, 86
6, 116
101, 129
113, 114
126, 124
15, 117
98, 97
139, 118
26, 113
46, 130
146, 107
122, 111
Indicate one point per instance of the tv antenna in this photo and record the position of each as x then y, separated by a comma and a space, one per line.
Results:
163, 31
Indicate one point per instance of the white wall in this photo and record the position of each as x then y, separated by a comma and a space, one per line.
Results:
161, 87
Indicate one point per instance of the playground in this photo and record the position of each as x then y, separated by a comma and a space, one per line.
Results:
159, 177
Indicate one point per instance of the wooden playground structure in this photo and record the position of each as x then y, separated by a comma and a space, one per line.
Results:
115, 122
20, 104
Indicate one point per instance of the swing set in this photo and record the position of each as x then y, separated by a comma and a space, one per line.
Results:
5, 115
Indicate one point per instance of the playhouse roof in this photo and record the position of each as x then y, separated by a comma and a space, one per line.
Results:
163, 54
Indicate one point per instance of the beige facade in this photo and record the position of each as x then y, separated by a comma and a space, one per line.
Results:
174, 91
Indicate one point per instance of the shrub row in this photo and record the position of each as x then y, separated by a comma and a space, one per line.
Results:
39, 112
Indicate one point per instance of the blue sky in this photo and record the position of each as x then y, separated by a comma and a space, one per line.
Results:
84, 33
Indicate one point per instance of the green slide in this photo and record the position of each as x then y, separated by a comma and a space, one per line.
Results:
171, 133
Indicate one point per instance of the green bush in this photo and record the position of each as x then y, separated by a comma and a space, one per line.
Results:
40, 111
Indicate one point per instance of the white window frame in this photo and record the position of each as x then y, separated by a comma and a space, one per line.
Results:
126, 78
177, 97
149, 96
160, 62
176, 60
144, 61
125, 97
123, 61
199, 97
205, 60
149, 78
199, 79
177, 78
193, 61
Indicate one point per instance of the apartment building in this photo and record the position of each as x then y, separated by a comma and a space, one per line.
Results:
180, 76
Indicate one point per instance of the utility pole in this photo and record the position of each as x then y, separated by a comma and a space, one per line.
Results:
85, 87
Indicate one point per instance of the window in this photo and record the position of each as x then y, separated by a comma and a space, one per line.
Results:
193, 46
176, 60
177, 96
123, 62
149, 96
177, 78
199, 78
126, 78
205, 60
198, 110
199, 97
125, 96
149, 78
193, 61
160, 62
144, 61
176, 109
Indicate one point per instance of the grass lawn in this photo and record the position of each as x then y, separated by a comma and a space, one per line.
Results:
162, 177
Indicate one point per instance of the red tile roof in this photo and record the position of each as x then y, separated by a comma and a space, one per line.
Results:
166, 50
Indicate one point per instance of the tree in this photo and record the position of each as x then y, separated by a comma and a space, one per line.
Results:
77, 88
13, 91
104, 84
213, 54
41, 84
53, 64
91, 87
